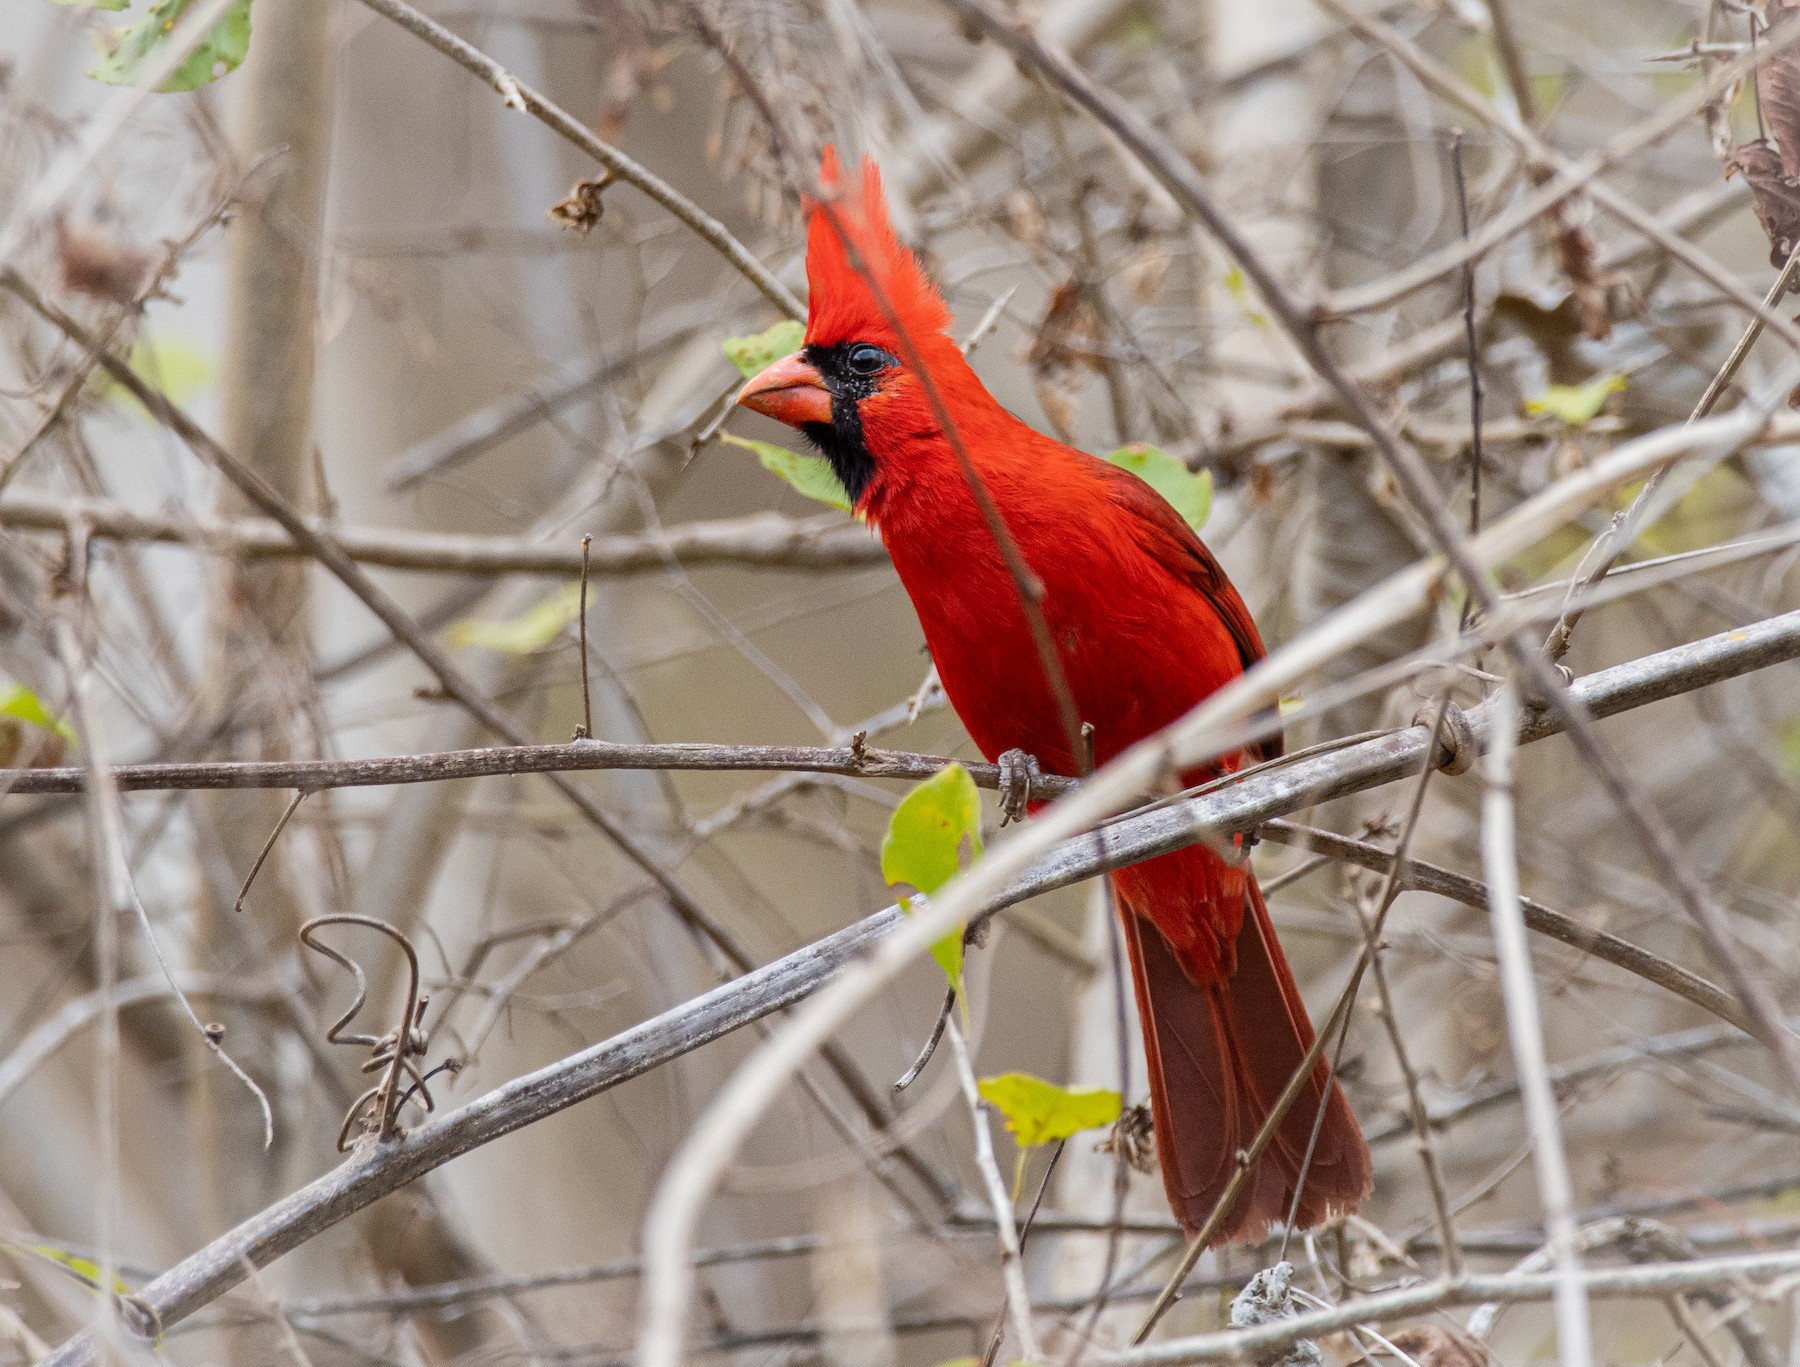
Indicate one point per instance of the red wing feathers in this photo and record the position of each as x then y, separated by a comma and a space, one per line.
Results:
1166, 536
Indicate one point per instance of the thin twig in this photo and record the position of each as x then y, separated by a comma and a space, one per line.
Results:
29, 1053
1471, 892
268, 845
1556, 1192
1473, 342
1012, 1270
998, 1336
911, 1075
587, 698
113, 878
523, 98
1421, 1120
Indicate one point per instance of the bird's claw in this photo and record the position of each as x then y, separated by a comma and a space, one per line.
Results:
1018, 772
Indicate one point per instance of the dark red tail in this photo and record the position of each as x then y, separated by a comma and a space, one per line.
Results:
1218, 1058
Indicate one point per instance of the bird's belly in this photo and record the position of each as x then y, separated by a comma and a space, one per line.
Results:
1123, 686
995, 683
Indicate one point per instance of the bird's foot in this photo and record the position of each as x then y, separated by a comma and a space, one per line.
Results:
1018, 772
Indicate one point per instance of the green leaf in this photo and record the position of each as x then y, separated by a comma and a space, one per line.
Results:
20, 703
84, 1269
96, 4
923, 847
173, 367
531, 630
1576, 404
1188, 492
754, 354
810, 475
125, 52
1039, 1112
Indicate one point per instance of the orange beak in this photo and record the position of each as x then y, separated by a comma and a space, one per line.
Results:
790, 391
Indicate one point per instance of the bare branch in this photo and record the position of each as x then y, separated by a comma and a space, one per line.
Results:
760, 540
1556, 1193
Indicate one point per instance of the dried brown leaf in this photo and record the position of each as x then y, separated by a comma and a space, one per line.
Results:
1133, 1138
1778, 91
100, 264
1069, 337
1553, 331
582, 208
1775, 194
1575, 256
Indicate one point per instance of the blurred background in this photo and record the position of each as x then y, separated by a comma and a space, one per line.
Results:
339, 259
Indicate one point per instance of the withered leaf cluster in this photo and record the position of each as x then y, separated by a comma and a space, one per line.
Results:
1572, 247
582, 207
1772, 170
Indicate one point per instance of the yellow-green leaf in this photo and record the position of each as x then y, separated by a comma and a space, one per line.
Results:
1788, 741
1576, 404
531, 630
97, 4
924, 840
810, 475
756, 353
20, 703
1239, 289
1040, 1112
1473, 60
924, 843
83, 1269
175, 368
1188, 492
127, 51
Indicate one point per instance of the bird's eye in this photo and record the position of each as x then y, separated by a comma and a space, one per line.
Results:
865, 359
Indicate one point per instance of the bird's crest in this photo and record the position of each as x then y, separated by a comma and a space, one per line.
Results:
865, 285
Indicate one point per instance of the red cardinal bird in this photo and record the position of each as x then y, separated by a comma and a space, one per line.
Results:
1145, 625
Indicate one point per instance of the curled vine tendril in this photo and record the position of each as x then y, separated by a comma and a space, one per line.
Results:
393, 1055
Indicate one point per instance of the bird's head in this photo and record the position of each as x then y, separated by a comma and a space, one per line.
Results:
873, 318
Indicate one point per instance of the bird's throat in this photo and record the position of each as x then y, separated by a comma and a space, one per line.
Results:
841, 442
